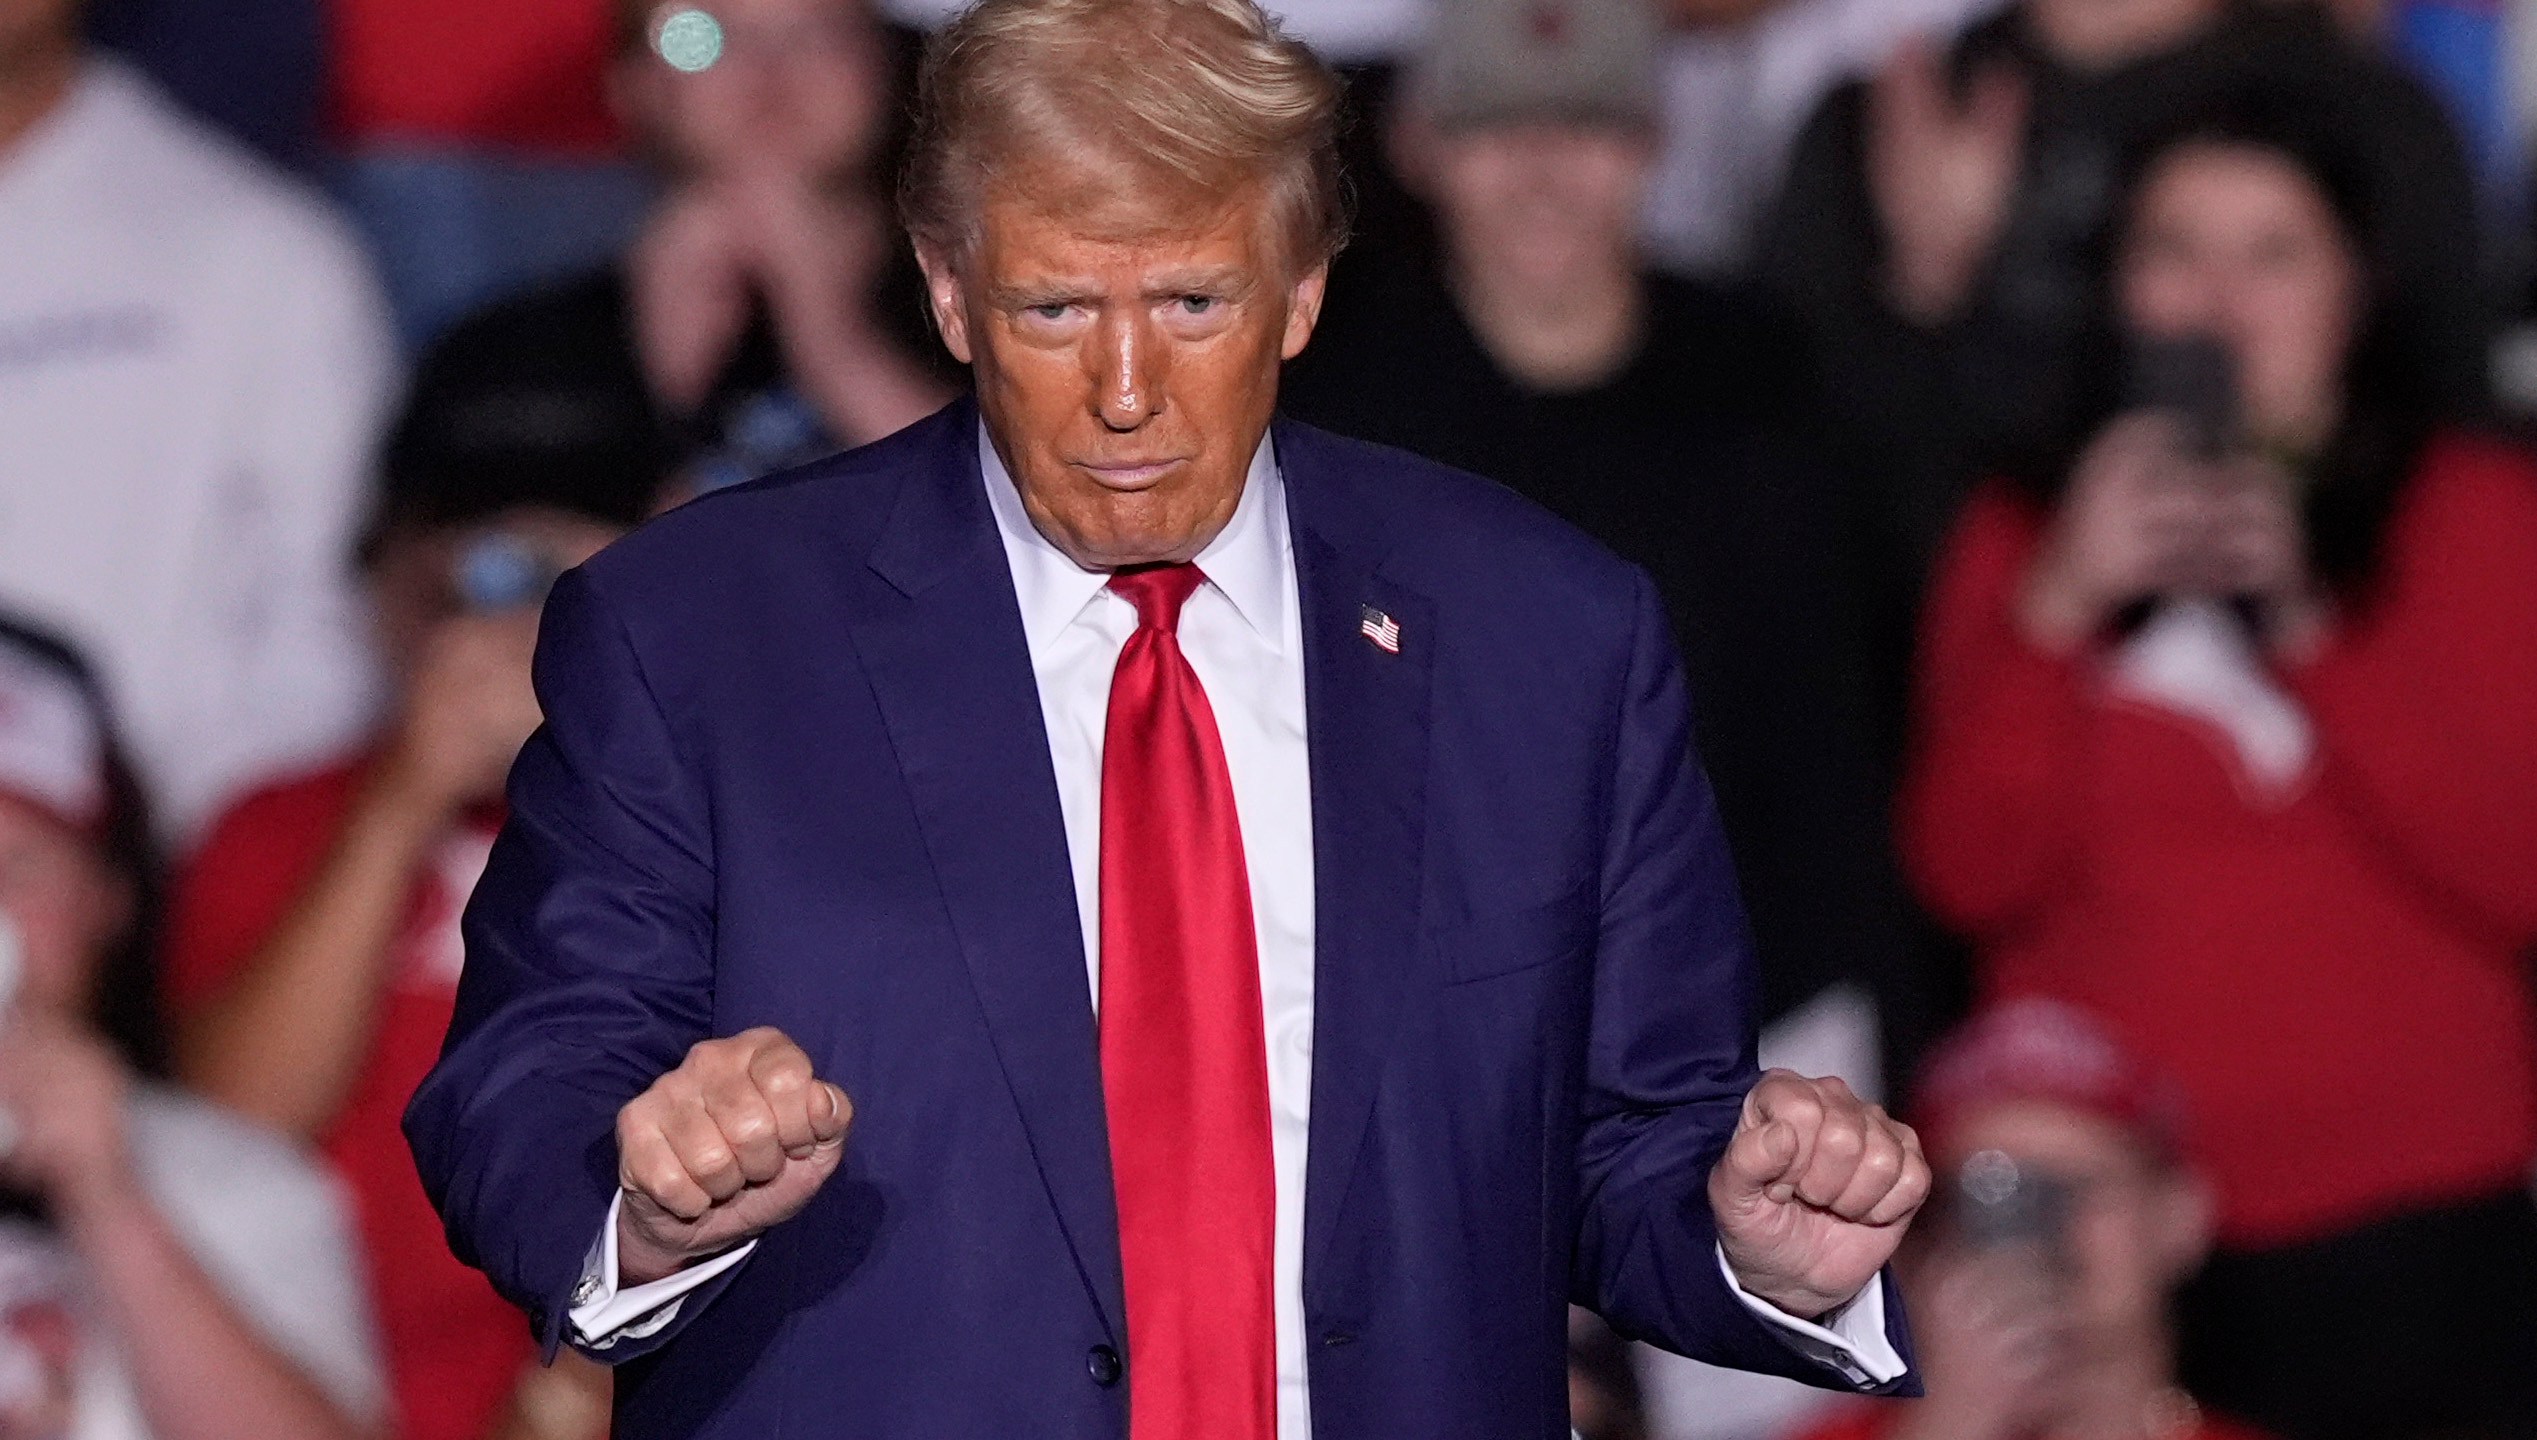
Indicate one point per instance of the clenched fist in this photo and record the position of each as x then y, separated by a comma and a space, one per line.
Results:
1814, 1193
733, 1142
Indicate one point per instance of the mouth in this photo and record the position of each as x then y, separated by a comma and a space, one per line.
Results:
1128, 476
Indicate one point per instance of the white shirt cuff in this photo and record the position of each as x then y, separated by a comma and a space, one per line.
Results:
602, 1314
1851, 1340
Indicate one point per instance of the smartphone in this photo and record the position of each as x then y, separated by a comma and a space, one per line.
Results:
499, 571
2000, 1203
2192, 377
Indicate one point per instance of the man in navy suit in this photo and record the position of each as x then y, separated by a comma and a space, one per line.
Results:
1254, 887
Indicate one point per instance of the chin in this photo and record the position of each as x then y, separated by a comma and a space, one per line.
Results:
1128, 552
1123, 533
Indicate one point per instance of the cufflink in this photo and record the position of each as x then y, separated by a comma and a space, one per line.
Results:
586, 1291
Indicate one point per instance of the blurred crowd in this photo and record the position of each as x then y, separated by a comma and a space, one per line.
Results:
2082, 444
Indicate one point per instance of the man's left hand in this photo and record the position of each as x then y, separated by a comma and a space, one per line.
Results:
1814, 1193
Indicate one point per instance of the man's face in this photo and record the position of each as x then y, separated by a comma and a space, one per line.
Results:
1536, 202
1126, 361
2136, 1228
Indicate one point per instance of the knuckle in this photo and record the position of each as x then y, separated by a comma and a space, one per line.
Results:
660, 1179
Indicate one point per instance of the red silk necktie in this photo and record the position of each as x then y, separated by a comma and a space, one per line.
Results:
1184, 1063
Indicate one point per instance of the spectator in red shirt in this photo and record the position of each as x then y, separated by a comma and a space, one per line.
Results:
2228, 730
2066, 1220
315, 948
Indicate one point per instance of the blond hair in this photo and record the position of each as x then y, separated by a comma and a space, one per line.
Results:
1206, 96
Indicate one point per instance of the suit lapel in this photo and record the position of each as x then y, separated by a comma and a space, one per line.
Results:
952, 672
1366, 713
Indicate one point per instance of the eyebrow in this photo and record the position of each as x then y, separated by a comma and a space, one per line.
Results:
1025, 294
1226, 280
1206, 280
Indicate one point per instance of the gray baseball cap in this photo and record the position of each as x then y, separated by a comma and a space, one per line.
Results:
1501, 61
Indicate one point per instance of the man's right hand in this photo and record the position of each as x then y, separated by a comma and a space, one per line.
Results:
733, 1142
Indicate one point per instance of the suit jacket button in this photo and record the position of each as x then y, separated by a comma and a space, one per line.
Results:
1105, 1366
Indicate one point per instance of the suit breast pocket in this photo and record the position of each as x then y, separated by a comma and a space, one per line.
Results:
1494, 942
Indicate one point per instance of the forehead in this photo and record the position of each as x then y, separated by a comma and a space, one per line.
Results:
1116, 225
2218, 183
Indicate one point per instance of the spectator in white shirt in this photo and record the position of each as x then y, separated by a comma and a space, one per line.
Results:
193, 362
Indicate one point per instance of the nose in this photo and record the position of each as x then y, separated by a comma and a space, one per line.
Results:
2210, 306
1127, 374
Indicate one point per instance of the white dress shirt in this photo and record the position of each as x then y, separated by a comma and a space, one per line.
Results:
1242, 632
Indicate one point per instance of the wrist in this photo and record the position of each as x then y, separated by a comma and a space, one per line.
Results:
1788, 1295
642, 1260
2297, 630
2055, 617
1798, 1302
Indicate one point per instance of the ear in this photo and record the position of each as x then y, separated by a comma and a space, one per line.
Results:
947, 300
1303, 310
2184, 1218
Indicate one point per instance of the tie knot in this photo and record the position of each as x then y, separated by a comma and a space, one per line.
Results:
1158, 592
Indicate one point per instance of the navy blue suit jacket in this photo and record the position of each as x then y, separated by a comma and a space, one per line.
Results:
794, 774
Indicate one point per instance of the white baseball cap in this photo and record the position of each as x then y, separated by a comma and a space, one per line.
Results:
52, 738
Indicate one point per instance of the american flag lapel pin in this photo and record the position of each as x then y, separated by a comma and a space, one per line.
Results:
1379, 628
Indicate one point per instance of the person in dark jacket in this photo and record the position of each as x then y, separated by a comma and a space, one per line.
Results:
1664, 417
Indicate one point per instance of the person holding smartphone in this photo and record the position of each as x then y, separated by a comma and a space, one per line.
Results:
314, 951
2229, 732
2067, 1219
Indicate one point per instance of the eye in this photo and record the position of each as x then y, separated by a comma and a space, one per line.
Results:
1053, 310
1198, 304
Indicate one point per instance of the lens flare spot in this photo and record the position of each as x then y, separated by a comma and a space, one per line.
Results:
688, 40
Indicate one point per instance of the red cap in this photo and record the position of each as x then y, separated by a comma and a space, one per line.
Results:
2036, 1049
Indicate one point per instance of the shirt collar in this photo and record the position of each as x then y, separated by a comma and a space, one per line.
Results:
1246, 563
